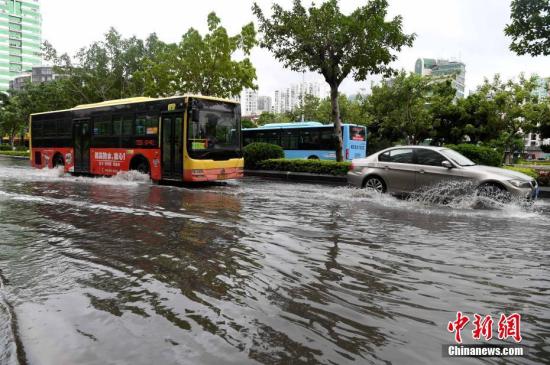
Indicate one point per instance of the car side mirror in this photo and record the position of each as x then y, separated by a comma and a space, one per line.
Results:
447, 164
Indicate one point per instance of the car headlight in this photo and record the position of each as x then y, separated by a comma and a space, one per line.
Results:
520, 183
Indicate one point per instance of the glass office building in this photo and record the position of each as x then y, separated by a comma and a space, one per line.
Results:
443, 69
20, 38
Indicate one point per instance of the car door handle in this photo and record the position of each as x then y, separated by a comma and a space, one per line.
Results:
387, 167
421, 171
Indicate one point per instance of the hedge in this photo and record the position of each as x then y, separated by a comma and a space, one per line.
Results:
256, 152
15, 153
311, 166
479, 154
525, 170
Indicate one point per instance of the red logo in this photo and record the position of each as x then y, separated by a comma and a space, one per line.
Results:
508, 326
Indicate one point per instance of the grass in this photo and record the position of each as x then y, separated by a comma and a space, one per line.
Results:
525, 170
533, 162
15, 153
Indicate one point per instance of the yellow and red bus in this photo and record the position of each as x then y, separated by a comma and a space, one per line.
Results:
183, 138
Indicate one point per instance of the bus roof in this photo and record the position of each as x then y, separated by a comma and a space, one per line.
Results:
140, 99
308, 124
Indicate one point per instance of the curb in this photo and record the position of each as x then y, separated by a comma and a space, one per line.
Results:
16, 157
299, 176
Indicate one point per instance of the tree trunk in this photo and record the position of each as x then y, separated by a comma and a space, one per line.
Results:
337, 122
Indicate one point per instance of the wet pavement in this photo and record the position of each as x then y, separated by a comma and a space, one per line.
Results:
118, 270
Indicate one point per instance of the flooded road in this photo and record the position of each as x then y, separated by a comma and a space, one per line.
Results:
120, 271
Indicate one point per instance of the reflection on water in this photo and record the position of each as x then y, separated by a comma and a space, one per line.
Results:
119, 270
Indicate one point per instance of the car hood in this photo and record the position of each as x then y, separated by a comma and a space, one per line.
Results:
503, 173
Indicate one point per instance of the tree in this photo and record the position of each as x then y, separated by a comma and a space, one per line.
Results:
322, 39
118, 67
247, 123
204, 64
399, 109
516, 110
529, 27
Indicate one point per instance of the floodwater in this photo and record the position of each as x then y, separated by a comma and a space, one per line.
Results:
121, 271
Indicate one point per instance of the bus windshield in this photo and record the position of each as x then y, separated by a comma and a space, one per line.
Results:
214, 131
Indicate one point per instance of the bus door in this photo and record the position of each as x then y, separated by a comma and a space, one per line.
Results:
172, 146
82, 142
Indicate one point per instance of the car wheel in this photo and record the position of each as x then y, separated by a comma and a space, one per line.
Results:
375, 183
495, 192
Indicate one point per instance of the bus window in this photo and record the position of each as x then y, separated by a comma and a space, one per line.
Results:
327, 140
37, 129
290, 139
356, 133
146, 125
64, 128
49, 128
102, 127
309, 140
127, 125
117, 125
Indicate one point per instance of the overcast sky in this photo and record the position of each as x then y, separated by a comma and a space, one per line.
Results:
469, 30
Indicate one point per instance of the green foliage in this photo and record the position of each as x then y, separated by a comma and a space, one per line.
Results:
322, 39
247, 123
254, 153
529, 27
15, 153
267, 118
310, 166
117, 68
479, 154
204, 64
5, 147
398, 109
524, 170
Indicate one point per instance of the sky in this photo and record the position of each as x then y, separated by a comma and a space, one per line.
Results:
471, 31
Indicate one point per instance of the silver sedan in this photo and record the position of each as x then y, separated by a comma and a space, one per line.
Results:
405, 169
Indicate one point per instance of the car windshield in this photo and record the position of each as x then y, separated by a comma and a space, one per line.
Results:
457, 158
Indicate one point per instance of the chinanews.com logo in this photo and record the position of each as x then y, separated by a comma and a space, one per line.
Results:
508, 329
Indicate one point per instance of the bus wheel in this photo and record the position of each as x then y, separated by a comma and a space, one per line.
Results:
313, 157
140, 164
57, 161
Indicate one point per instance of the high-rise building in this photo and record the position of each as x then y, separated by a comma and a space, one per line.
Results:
264, 104
443, 69
249, 102
38, 75
289, 99
20, 38
542, 90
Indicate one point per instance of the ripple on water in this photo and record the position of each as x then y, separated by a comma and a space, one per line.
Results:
259, 271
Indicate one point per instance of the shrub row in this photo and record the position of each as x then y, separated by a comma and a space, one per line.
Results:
479, 154
311, 166
254, 153
15, 153
525, 170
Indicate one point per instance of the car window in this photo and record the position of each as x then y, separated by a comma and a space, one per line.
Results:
400, 155
429, 157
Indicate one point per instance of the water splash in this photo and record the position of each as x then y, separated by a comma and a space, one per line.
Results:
125, 178
8, 343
